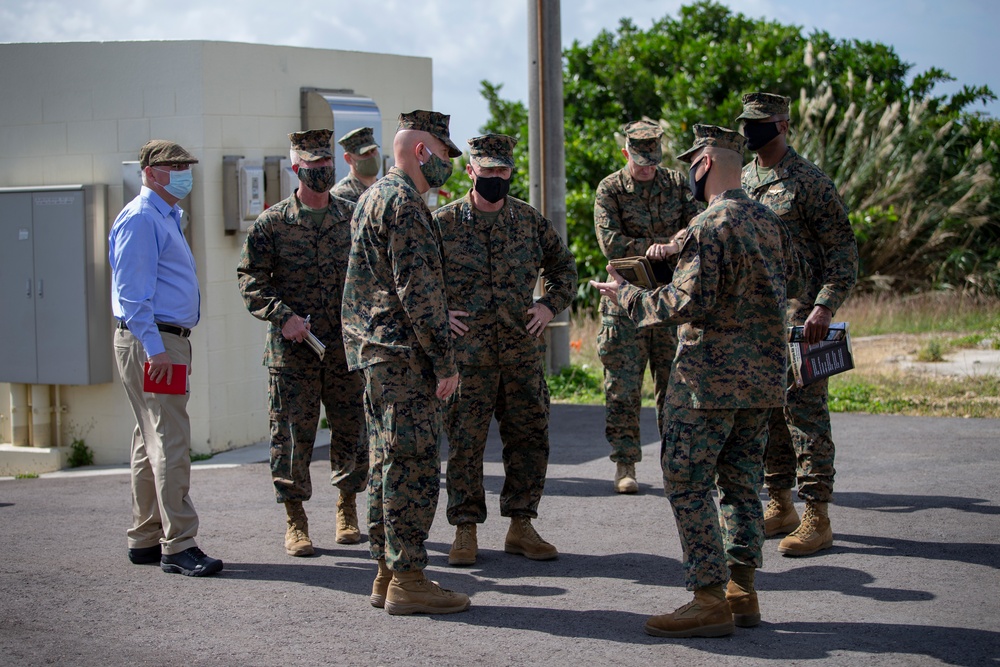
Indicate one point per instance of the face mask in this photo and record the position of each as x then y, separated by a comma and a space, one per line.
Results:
759, 134
698, 185
435, 170
180, 183
492, 189
367, 167
318, 179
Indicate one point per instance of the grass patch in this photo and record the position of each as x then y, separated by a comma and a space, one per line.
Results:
577, 384
916, 395
935, 312
26, 475
931, 351
905, 327
970, 341
200, 457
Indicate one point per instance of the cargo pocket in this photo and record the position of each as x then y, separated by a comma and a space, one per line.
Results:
414, 428
682, 454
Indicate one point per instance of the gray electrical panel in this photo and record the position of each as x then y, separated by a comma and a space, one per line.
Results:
54, 285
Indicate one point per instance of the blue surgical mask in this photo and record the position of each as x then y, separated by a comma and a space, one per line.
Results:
180, 183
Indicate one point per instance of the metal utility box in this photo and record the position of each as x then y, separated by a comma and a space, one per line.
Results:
340, 111
54, 285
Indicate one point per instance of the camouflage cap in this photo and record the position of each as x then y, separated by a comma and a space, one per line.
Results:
312, 144
160, 151
492, 150
642, 140
713, 136
358, 141
758, 106
433, 122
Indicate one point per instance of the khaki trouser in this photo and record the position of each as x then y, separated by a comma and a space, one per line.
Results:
162, 512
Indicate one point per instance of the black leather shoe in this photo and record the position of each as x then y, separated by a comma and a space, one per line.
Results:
145, 555
191, 562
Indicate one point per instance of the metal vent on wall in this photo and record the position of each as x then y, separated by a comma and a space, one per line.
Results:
340, 111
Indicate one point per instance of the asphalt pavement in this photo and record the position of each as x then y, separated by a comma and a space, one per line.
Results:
912, 578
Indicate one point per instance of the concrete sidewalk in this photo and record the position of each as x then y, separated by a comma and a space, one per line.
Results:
912, 578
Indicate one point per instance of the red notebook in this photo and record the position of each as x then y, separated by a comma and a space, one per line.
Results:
178, 384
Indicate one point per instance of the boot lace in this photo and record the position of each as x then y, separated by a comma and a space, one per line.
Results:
463, 538
347, 516
773, 508
528, 532
808, 524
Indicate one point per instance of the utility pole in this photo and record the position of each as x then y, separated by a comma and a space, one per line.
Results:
547, 174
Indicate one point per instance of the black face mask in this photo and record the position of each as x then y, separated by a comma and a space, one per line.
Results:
698, 185
317, 179
492, 189
759, 134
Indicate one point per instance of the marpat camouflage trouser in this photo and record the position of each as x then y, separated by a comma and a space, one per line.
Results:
624, 351
800, 445
295, 396
518, 397
702, 449
404, 428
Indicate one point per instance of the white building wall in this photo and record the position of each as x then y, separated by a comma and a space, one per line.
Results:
73, 112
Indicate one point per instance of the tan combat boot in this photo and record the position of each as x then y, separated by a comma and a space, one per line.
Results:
381, 584
813, 534
625, 478
347, 519
780, 516
742, 597
413, 593
297, 542
707, 615
465, 548
523, 539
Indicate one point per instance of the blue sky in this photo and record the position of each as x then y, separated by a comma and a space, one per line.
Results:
472, 40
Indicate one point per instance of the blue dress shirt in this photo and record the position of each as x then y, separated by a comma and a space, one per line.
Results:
153, 275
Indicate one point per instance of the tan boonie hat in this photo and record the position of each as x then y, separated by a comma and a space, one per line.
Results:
492, 150
433, 122
160, 151
713, 136
358, 141
758, 106
643, 142
312, 144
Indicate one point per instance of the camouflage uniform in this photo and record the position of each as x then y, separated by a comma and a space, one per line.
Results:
806, 200
349, 188
355, 142
728, 296
629, 217
491, 265
396, 330
289, 266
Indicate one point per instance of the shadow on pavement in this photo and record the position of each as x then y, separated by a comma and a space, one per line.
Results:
794, 641
987, 555
900, 504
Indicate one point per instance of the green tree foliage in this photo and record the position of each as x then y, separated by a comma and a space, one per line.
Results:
694, 68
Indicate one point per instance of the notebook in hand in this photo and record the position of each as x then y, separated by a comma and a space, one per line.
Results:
635, 270
832, 355
178, 383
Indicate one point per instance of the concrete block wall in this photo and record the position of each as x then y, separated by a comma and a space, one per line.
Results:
78, 110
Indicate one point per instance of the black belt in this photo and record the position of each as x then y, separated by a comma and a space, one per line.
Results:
165, 328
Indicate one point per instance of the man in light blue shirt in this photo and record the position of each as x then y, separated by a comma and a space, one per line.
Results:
156, 301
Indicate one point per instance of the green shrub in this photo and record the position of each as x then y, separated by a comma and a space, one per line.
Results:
80, 454
576, 384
